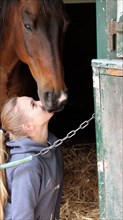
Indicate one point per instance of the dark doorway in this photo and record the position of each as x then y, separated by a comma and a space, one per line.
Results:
80, 49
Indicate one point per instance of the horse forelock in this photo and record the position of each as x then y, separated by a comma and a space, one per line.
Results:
54, 8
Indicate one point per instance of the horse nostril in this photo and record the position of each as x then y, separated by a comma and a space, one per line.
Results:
48, 96
54, 101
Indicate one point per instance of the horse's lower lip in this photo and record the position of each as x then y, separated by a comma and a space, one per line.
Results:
55, 110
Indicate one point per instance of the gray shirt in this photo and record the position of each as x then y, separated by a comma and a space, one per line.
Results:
35, 187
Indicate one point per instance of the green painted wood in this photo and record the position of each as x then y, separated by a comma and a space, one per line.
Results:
108, 97
101, 27
120, 35
108, 101
105, 11
100, 155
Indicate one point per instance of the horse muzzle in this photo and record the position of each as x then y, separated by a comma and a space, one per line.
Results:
53, 101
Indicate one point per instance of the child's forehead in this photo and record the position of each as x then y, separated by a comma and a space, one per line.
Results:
23, 102
24, 99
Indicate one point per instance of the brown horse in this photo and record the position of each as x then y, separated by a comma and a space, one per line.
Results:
32, 33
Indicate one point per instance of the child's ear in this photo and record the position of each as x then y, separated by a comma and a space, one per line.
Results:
27, 127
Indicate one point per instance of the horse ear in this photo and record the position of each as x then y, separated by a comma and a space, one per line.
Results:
27, 127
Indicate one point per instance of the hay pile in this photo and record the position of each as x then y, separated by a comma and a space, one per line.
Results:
80, 193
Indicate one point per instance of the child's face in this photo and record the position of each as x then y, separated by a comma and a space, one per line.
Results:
33, 110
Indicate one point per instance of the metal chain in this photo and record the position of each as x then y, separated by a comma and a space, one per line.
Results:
47, 149
68, 136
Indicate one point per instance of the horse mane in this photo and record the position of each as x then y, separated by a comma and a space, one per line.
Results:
55, 8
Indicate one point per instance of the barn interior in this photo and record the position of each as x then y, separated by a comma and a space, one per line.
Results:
79, 50
80, 193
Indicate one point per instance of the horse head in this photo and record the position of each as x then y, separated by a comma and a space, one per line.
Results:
37, 30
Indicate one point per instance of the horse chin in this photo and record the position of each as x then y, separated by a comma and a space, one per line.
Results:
55, 109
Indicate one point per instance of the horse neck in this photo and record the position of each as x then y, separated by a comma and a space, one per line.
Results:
8, 57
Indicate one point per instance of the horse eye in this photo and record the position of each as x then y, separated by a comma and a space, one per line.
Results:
28, 27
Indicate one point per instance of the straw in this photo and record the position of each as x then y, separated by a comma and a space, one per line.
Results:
80, 192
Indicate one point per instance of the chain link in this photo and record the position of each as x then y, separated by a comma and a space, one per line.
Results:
68, 136
47, 149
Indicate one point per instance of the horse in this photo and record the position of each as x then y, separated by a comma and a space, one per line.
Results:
32, 35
